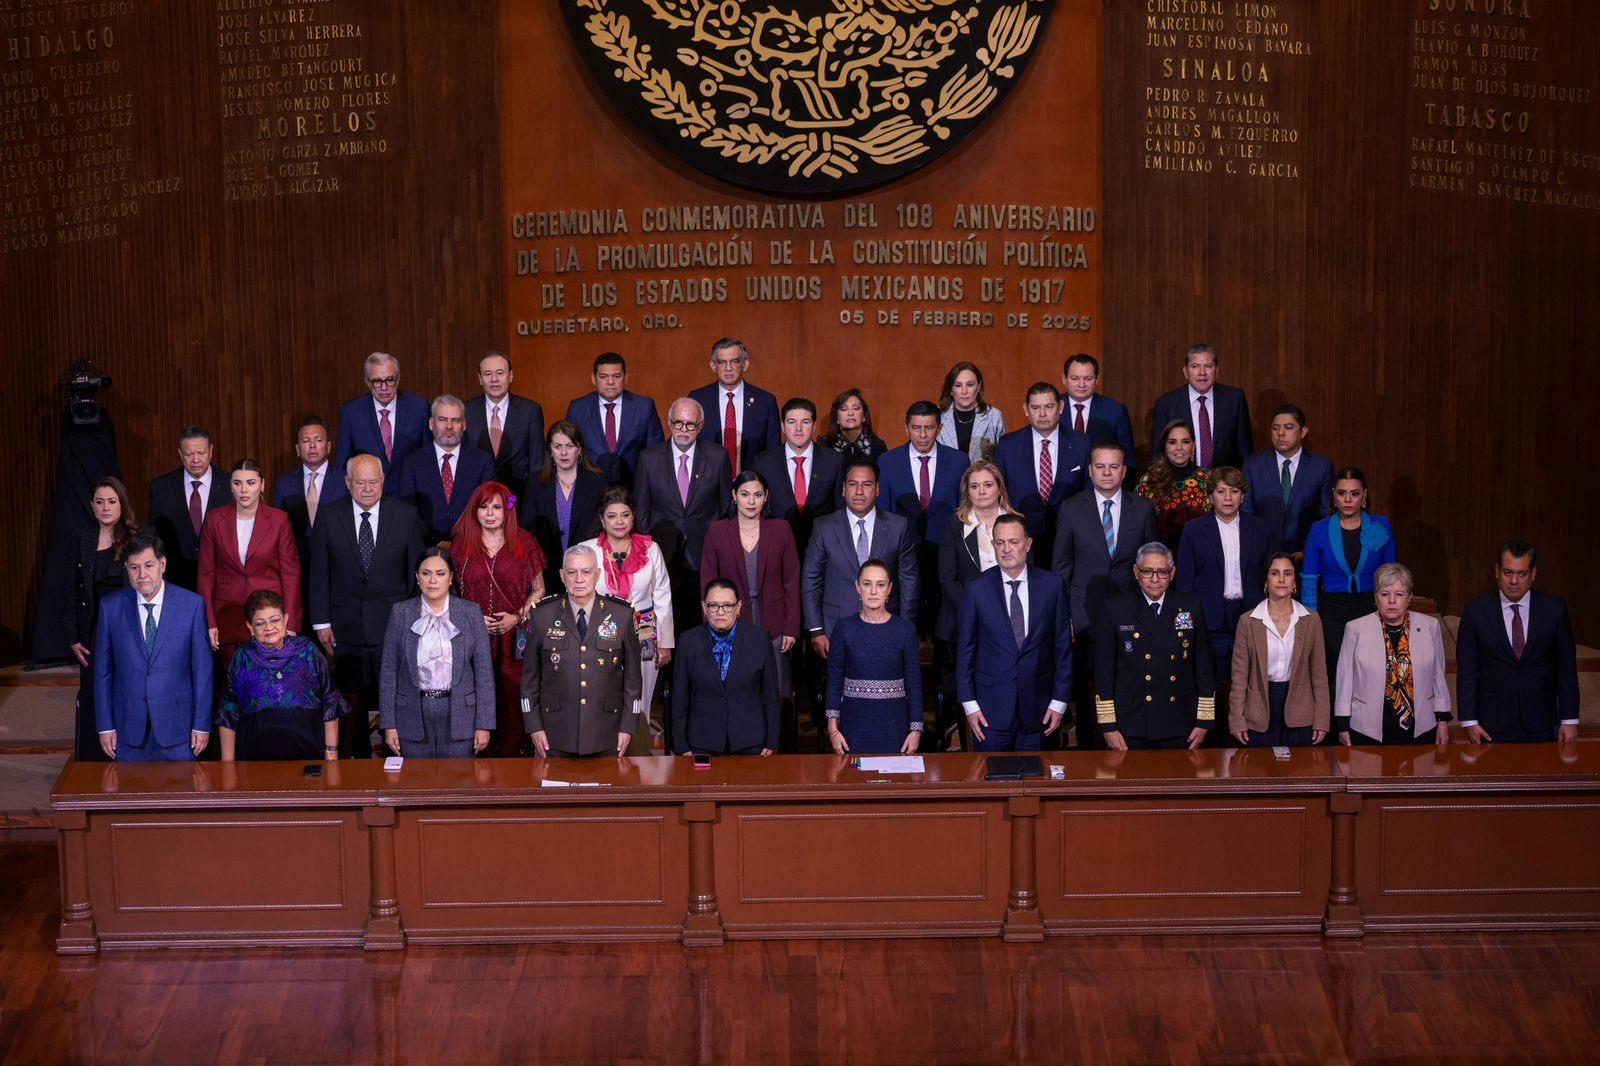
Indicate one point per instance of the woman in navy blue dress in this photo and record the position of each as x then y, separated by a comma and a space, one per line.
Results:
874, 702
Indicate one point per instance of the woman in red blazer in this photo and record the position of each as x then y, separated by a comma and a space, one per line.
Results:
269, 559
754, 546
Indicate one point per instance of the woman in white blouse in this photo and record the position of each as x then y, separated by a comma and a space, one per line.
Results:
1280, 670
632, 568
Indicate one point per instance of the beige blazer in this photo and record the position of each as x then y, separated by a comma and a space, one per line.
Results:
1249, 703
1363, 667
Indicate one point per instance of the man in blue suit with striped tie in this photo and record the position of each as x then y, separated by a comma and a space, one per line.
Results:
152, 665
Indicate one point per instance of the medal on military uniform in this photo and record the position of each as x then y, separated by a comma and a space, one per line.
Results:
608, 628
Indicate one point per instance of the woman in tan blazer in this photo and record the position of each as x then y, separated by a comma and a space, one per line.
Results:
1391, 681
1280, 671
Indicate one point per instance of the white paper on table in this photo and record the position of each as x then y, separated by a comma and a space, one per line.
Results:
550, 783
893, 764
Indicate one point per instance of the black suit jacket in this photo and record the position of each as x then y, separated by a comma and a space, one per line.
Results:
169, 517
1230, 423
1081, 559
717, 717
679, 527
1515, 698
537, 512
357, 604
822, 488
959, 565
521, 442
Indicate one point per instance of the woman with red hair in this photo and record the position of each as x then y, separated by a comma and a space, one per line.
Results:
500, 567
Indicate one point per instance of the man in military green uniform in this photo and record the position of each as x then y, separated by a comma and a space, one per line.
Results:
1153, 676
581, 667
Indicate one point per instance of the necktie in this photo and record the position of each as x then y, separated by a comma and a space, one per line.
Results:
730, 433
611, 427
683, 478
447, 477
365, 542
583, 625
386, 431
1110, 527
1205, 435
800, 481
1519, 639
196, 511
313, 497
1077, 423
1155, 608
149, 628
497, 429
1047, 473
861, 541
1287, 482
925, 484
1019, 626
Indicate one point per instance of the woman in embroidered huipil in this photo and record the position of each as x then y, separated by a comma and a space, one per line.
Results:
1180, 489
874, 697
500, 567
278, 698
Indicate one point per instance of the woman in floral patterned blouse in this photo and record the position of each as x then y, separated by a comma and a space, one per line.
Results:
1180, 490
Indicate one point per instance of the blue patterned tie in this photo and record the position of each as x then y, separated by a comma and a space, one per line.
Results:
149, 628
1110, 528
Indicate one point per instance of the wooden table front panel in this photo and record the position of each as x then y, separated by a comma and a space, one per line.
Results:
1449, 860
1177, 863
198, 878
542, 872
893, 868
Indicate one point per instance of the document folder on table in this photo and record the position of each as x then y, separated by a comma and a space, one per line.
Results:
1013, 767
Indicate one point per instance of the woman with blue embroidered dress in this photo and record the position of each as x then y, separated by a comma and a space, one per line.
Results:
874, 697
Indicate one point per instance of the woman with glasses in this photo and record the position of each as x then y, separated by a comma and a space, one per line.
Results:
278, 698
757, 554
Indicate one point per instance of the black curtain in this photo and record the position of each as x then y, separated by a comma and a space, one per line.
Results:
88, 453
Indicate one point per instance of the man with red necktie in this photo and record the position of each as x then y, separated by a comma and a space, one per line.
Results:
386, 423
1220, 414
439, 480
739, 416
180, 500
617, 425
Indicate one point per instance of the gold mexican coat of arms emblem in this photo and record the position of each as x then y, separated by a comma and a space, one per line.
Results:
806, 97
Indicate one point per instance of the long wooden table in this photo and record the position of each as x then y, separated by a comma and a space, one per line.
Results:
651, 849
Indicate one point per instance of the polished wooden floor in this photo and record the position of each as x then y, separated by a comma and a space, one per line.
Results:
1510, 998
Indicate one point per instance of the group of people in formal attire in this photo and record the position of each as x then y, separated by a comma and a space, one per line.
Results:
456, 578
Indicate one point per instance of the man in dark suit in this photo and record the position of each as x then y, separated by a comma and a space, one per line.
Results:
725, 693
302, 492
1100, 418
581, 671
738, 416
1222, 559
1013, 648
387, 423
682, 486
1043, 463
506, 426
1290, 486
921, 482
841, 542
152, 665
802, 479
1098, 532
439, 480
616, 424
180, 500
1516, 660
364, 554
1219, 414
1153, 677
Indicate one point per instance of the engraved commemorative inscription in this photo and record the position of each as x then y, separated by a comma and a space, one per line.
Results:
807, 97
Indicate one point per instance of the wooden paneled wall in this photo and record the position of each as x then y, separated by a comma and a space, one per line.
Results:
1444, 343
241, 316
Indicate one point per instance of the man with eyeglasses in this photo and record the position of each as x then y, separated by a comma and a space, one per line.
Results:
739, 416
386, 422
683, 485
1153, 677
725, 696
